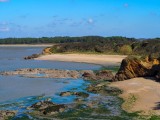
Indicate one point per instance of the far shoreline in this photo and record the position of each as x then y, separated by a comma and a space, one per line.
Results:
26, 45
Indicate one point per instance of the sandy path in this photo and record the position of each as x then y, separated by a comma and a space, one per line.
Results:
140, 94
104, 60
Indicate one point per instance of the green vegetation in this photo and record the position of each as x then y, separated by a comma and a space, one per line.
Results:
94, 44
110, 45
66, 39
125, 50
130, 101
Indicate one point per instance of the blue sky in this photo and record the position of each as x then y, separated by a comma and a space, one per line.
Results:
46, 18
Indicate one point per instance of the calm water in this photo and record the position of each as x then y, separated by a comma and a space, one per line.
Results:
14, 89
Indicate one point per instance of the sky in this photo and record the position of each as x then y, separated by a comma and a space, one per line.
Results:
49, 18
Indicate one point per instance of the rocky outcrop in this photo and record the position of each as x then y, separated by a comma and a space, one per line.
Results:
47, 108
103, 88
32, 56
5, 114
79, 94
158, 76
43, 73
47, 51
99, 75
55, 73
134, 67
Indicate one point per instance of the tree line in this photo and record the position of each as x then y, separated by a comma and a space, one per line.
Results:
46, 40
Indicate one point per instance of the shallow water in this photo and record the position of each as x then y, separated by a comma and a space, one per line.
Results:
11, 58
16, 93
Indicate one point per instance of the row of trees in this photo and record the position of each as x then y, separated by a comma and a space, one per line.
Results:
63, 40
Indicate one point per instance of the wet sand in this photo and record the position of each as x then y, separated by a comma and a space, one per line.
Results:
104, 60
140, 94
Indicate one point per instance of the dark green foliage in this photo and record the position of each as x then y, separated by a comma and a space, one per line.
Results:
94, 44
155, 117
111, 45
147, 47
66, 39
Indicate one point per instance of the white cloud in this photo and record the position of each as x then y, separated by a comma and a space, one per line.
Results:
90, 20
4, 29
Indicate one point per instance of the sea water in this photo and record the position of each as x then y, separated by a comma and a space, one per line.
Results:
17, 93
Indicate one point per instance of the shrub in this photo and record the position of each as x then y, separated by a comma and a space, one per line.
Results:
125, 49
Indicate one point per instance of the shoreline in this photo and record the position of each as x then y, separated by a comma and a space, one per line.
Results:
25, 45
103, 60
137, 91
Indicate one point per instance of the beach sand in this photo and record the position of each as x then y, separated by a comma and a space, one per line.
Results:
140, 94
104, 60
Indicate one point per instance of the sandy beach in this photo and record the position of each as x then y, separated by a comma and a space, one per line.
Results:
104, 60
140, 94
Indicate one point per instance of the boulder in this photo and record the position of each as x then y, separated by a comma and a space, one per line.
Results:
5, 114
99, 75
103, 88
47, 51
133, 67
158, 76
32, 56
47, 108
68, 93
79, 94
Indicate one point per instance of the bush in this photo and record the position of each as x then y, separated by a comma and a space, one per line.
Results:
125, 49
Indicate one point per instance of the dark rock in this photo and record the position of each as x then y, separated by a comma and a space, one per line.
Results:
103, 88
47, 108
158, 76
97, 88
69, 93
88, 74
5, 114
100, 75
81, 94
32, 56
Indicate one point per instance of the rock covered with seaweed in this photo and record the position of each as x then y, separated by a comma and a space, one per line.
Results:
6, 114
